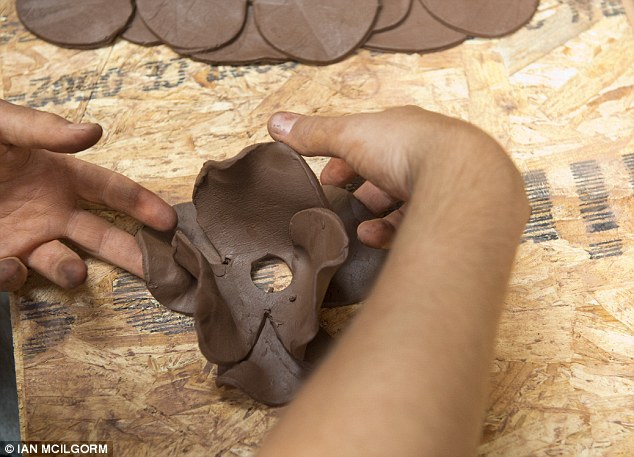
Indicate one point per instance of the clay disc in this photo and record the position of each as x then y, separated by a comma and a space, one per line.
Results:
85, 24
194, 24
483, 18
419, 32
392, 13
139, 33
314, 31
249, 47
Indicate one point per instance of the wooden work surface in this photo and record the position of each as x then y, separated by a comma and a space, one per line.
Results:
107, 362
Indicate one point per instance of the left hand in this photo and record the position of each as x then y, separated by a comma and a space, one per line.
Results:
40, 192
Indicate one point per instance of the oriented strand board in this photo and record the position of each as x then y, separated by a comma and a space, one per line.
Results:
107, 362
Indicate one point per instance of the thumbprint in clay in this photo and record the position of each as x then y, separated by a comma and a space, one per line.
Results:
263, 203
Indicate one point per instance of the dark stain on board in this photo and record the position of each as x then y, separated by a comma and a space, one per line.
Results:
54, 323
541, 225
595, 208
132, 298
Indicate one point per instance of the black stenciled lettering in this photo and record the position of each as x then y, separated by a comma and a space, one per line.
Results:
541, 225
110, 82
612, 8
595, 208
63, 89
166, 75
37, 99
143, 312
83, 89
577, 7
611, 248
218, 73
8, 30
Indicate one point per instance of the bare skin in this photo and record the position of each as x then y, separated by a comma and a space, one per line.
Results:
409, 377
41, 188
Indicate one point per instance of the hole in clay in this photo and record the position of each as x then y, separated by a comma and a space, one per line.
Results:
271, 274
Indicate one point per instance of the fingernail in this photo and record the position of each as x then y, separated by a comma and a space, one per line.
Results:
72, 273
282, 123
80, 126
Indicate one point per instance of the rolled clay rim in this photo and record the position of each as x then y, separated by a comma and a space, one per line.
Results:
193, 24
69, 23
248, 47
391, 14
139, 33
483, 18
318, 32
419, 32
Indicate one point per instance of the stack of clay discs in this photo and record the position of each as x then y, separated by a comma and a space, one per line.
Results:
254, 31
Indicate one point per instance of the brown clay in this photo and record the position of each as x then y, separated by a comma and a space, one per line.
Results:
75, 24
139, 33
392, 13
249, 47
194, 24
353, 280
483, 18
419, 32
264, 202
315, 31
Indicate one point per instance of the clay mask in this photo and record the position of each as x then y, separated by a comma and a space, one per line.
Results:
263, 203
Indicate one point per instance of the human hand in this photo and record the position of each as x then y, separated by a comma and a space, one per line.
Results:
40, 192
389, 149
440, 290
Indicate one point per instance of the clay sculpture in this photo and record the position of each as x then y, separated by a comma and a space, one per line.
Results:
265, 202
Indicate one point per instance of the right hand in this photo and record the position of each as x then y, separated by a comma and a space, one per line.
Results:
390, 149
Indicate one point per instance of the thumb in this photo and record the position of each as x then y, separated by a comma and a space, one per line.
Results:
31, 129
311, 135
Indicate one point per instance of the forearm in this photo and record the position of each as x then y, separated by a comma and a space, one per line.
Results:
409, 376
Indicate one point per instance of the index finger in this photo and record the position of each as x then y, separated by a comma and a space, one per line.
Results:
32, 129
106, 187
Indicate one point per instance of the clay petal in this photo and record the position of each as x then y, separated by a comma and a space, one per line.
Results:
320, 247
245, 203
392, 13
245, 207
226, 341
171, 284
321, 31
270, 374
167, 281
78, 24
419, 32
193, 24
139, 33
353, 280
248, 47
188, 224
